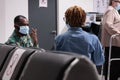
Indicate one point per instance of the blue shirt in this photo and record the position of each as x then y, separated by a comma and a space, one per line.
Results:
81, 42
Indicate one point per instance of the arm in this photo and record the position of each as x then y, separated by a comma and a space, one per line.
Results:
98, 54
112, 22
34, 37
57, 43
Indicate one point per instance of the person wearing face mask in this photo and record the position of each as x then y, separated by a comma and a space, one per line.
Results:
110, 26
76, 40
21, 36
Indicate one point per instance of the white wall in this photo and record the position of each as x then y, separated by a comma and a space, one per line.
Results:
8, 10
87, 5
2, 21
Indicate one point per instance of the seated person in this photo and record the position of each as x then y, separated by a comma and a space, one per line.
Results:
75, 39
20, 36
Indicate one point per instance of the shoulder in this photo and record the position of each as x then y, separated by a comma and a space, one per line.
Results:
92, 37
11, 40
61, 35
109, 10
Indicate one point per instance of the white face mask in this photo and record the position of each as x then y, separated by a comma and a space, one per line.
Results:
24, 29
117, 7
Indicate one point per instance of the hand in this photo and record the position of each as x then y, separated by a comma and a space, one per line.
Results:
33, 35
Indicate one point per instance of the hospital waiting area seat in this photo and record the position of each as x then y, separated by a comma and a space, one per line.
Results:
18, 63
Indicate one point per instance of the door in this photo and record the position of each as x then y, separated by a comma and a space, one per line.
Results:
44, 19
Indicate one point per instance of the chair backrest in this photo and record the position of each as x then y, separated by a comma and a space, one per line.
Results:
46, 66
14, 64
4, 53
83, 69
51, 66
33, 64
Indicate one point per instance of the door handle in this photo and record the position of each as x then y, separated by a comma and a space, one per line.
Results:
54, 32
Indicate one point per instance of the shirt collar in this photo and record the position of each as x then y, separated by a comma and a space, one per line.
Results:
75, 28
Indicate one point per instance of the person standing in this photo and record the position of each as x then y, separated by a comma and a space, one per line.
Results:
110, 26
